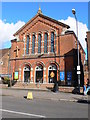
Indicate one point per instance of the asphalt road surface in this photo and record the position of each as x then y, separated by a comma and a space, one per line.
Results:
14, 107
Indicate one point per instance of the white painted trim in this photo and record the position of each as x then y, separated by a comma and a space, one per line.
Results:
19, 69
24, 43
44, 68
42, 43
30, 42
44, 75
23, 75
31, 69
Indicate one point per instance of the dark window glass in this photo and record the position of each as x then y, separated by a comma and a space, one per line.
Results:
52, 41
45, 42
33, 44
27, 45
39, 43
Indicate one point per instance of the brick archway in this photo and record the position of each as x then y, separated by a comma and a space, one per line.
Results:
21, 70
38, 63
47, 71
39, 74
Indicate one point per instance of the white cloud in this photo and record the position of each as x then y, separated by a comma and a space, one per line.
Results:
7, 30
82, 29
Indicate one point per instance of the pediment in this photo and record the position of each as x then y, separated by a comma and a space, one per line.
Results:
38, 23
40, 26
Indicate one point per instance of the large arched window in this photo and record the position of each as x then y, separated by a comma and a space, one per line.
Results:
39, 43
45, 42
27, 45
52, 41
33, 44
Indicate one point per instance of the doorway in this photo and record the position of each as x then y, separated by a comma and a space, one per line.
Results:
26, 74
39, 74
52, 69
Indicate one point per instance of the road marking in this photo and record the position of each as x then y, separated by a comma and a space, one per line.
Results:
22, 113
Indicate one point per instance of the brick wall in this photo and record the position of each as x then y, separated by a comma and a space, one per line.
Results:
4, 58
88, 42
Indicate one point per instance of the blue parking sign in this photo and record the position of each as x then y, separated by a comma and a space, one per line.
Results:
62, 76
69, 76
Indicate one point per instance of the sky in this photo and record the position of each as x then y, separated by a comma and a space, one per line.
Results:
16, 14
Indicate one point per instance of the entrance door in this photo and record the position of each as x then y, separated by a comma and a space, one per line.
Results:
26, 74
52, 70
39, 74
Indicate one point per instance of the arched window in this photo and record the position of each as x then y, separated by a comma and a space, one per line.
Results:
39, 43
45, 42
33, 44
27, 45
52, 41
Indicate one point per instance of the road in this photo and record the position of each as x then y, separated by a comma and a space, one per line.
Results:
16, 107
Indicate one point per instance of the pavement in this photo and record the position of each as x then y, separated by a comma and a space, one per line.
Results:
45, 94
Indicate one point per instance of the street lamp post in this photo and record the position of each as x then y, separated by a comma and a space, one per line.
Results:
78, 66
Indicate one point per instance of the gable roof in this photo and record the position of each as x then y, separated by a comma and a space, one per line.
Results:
45, 17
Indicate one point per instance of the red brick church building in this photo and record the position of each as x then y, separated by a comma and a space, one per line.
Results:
45, 50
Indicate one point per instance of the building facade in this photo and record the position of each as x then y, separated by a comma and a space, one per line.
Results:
4, 62
45, 51
88, 53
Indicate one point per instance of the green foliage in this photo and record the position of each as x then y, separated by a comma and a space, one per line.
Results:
6, 80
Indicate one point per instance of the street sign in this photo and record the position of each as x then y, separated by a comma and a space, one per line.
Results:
78, 67
69, 76
78, 72
62, 76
